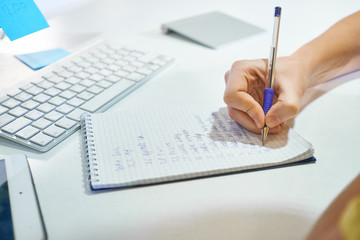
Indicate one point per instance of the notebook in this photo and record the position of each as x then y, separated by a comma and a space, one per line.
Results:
140, 147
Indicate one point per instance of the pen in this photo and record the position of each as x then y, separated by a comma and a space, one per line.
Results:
270, 75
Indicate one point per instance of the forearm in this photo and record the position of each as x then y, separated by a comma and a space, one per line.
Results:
333, 53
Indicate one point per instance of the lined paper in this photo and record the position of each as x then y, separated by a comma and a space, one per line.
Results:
165, 144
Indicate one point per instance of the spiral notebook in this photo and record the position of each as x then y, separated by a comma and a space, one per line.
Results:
140, 147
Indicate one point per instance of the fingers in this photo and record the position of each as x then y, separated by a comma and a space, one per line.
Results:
243, 119
244, 93
244, 103
287, 106
242, 85
246, 121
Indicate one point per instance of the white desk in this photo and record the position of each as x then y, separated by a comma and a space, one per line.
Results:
275, 204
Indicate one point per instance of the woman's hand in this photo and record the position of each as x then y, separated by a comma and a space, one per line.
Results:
244, 92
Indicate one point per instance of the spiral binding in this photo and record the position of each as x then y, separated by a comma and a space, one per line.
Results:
89, 148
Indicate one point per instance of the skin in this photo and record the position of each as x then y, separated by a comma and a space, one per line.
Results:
333, 53
320, 60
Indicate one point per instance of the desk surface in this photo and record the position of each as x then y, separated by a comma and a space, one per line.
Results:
275, 204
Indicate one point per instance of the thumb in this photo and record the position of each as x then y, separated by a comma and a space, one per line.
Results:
285, 108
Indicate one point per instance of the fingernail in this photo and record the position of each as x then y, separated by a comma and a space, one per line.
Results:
258, 122
273, 121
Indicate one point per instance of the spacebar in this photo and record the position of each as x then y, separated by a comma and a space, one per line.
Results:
107, 95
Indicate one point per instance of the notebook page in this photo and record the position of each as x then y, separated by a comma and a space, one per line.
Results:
165, 144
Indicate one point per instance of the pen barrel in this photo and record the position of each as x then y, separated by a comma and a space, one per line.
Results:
268, 99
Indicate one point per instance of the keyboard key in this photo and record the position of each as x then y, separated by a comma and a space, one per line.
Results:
108, 94
100, 65
26, 86
75, 69
87, 82
148, 57
95, 89
122, 73
52, 91
57, 101
91, 59
104, 84
137, 54
5, 119
41, 98
42, 123
54, 131
86, 95
66, 65
154, 67
66, 123
83, 64
34, 115
65, 108
121, 63
46, 107
4, 98
30, 104
62, 86
65, 74
23, 96
75, 115
48, 75
85, 56
3, 110
98, 54
158, 62
67, 94
137, 64
75, 102
18, 111
14, 92
55, 79
45, 84
41, 139
129, 58
113, 78
27, 132
16, 125
108, 60
96, 77
136, 76
72, 80
77, 88
34, 90
54, 116
11, 103
145, 71
91, 70
114, 67
129, 68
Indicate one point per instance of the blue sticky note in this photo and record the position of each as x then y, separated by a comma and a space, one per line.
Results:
19, 18
39, 60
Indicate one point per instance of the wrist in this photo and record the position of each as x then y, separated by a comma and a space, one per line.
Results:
308, 64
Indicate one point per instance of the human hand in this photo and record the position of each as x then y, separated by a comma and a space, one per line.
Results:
244, 92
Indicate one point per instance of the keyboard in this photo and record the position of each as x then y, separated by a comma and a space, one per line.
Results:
47, 109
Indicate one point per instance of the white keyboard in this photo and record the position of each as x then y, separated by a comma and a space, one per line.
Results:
47, 109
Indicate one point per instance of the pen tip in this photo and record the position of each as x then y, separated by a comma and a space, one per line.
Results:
264, 133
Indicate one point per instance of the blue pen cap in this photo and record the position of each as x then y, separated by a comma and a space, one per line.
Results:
277, 11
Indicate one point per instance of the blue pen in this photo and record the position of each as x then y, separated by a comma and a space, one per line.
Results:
270, 75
